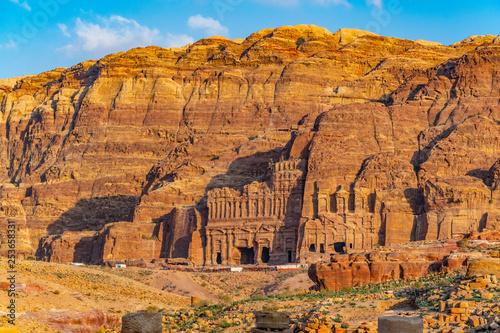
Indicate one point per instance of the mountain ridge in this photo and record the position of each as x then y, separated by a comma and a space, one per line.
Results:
145, 136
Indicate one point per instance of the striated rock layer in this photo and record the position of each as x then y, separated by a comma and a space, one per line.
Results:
399, 262
259, 151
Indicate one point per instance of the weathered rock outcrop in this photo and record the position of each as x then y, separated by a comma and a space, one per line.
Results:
398, 141
85, 322
116, 241
400, 262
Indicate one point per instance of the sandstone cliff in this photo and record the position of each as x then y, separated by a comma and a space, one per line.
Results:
399, 140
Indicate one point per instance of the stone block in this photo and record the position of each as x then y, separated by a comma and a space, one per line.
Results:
142, 322
256, 330
272, 320
481, 267
397, 324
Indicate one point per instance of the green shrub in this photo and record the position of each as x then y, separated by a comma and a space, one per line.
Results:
145, 237
271, 306
225, 298
203, 303
463, 243
300, 41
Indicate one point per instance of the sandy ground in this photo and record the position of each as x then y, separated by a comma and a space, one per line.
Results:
47, 291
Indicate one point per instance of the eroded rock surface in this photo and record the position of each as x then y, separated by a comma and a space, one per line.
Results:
263, 150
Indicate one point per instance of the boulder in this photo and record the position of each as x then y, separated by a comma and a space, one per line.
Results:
398, 324
484, 266
142, 322
272, 320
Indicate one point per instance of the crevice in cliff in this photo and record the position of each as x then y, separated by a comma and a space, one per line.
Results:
375, 133
113, 106
392, 128
422, 155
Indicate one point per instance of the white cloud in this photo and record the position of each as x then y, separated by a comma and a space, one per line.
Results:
333, 2
64, 29
116, 34
283, 3
10, 45
178, 40
23, 4
295, 3
113, 34
212, 27
376, 3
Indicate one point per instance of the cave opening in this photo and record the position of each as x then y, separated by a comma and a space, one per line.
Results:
264, 256
247, 255
339, 247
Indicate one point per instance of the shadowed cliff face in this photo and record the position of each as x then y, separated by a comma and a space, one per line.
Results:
162, 125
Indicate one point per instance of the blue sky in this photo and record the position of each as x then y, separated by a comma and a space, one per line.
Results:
38, 35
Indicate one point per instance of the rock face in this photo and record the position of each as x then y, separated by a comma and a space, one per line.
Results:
262, 150
116, 241
398, 262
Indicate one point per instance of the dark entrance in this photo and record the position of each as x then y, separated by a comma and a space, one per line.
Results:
321, 248
289, 256
219, 258
312, 248
247, 255
339, 247
265, 255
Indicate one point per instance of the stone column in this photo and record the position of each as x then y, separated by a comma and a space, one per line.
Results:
223, 248
317, 241
285, 202
273, 203
250, 207
244, 207
229, 237
259, 252
237, 208
259, 208
210, 248
280, 207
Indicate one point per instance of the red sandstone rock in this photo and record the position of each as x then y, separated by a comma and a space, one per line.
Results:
411, 261
167, 135
84, 322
